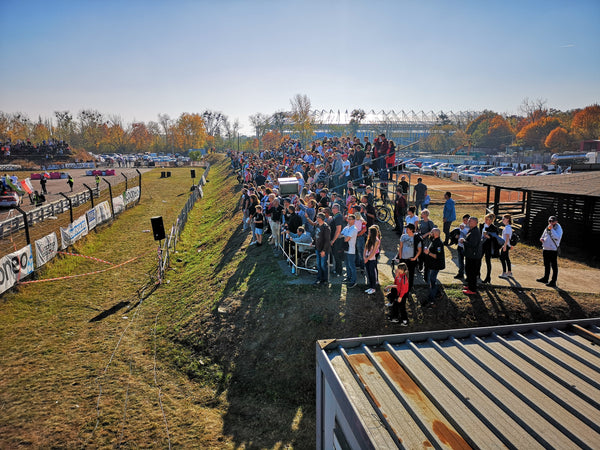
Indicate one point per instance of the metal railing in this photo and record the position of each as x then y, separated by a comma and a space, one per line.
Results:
170, 244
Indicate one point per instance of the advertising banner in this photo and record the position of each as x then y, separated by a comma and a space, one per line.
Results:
74, 232
91, 218
131, 195
118, 204
45, 249
15, 266
103, 212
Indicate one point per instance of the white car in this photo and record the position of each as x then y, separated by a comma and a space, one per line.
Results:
9, 199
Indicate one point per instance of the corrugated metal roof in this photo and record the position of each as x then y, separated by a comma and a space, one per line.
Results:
526, 386
585, 183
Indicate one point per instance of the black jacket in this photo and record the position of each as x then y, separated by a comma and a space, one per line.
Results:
436, 248
473, 244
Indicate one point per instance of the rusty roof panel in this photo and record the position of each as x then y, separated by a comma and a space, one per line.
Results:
587, 183
524, 387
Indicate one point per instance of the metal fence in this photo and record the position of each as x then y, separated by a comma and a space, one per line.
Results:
26, 227
164, 251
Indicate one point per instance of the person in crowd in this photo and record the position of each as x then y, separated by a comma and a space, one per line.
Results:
322, 248
489, 234
419, 194
259, 221
348, 235
504, 256
473, 253
370, 211
411, 217
404, 185
400, 206
251, 212
550, 240
435, 262
409, 251
426, 226
397, 295
370, 256
361, 225
337, 242
275, 210
449, 215
460, 248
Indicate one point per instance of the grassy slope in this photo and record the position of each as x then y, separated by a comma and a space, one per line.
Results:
235, 341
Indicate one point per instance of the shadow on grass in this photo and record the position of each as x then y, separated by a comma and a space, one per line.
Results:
109, 312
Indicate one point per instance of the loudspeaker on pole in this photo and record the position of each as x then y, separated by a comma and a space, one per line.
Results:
158, 229
193, 172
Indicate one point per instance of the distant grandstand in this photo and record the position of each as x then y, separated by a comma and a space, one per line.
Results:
403, 127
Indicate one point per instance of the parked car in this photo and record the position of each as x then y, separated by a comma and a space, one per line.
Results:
547, 172
9, 199
500, 171
465, 175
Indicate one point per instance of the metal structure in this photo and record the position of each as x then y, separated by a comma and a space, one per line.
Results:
516, 386
404, 127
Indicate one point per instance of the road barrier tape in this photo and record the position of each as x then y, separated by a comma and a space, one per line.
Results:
84, 256
81, 274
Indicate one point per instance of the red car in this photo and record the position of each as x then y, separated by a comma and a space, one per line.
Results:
9, 199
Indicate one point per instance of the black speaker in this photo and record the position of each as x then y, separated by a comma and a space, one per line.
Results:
193, 172
158, 228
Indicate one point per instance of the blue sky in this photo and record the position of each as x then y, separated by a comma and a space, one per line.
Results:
141, 58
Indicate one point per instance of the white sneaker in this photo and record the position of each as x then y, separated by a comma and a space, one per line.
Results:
504, 275
252, 243
509, 274
404, 323
371, 291
388, 304
367, 290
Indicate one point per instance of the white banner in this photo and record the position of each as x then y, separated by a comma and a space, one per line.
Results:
45, 249
74, 232
103, 212
131, 195
15, 266
118, 204
91, 218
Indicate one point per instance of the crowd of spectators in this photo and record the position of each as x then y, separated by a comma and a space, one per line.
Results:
48, 148
333, 211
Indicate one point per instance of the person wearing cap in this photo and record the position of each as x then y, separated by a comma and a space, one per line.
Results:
550, 240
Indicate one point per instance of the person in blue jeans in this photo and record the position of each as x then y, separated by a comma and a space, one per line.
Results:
349, 234
322, 247
436, 261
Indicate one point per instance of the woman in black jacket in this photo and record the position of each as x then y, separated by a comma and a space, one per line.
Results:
490, 244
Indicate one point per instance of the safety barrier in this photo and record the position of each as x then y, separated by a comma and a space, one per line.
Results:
164, 252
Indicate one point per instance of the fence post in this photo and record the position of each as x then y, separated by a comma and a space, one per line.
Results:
26, 223
70, 205
140, 184
124, 176
91, 194
112, 208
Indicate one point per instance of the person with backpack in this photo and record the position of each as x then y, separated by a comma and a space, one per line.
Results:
400, 206
436, 261
507, 234
473, 253
550, 240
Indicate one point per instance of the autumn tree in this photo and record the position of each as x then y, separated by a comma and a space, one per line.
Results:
41, 131
278, 121
535, 133
65, 126
490, 130
15, 126
586, 123
189, 132
214, 122
302, 117
140, 137
558, 139
272, 139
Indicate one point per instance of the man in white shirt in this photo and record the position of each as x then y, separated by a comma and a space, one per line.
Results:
349, 233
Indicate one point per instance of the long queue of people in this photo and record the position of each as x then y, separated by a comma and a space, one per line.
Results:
343, 229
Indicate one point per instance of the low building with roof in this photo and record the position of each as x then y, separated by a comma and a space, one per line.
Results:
518, 386
573, 198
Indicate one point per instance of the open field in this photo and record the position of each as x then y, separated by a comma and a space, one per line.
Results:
221, 356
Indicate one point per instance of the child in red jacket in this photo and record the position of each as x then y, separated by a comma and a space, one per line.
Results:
398, 295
